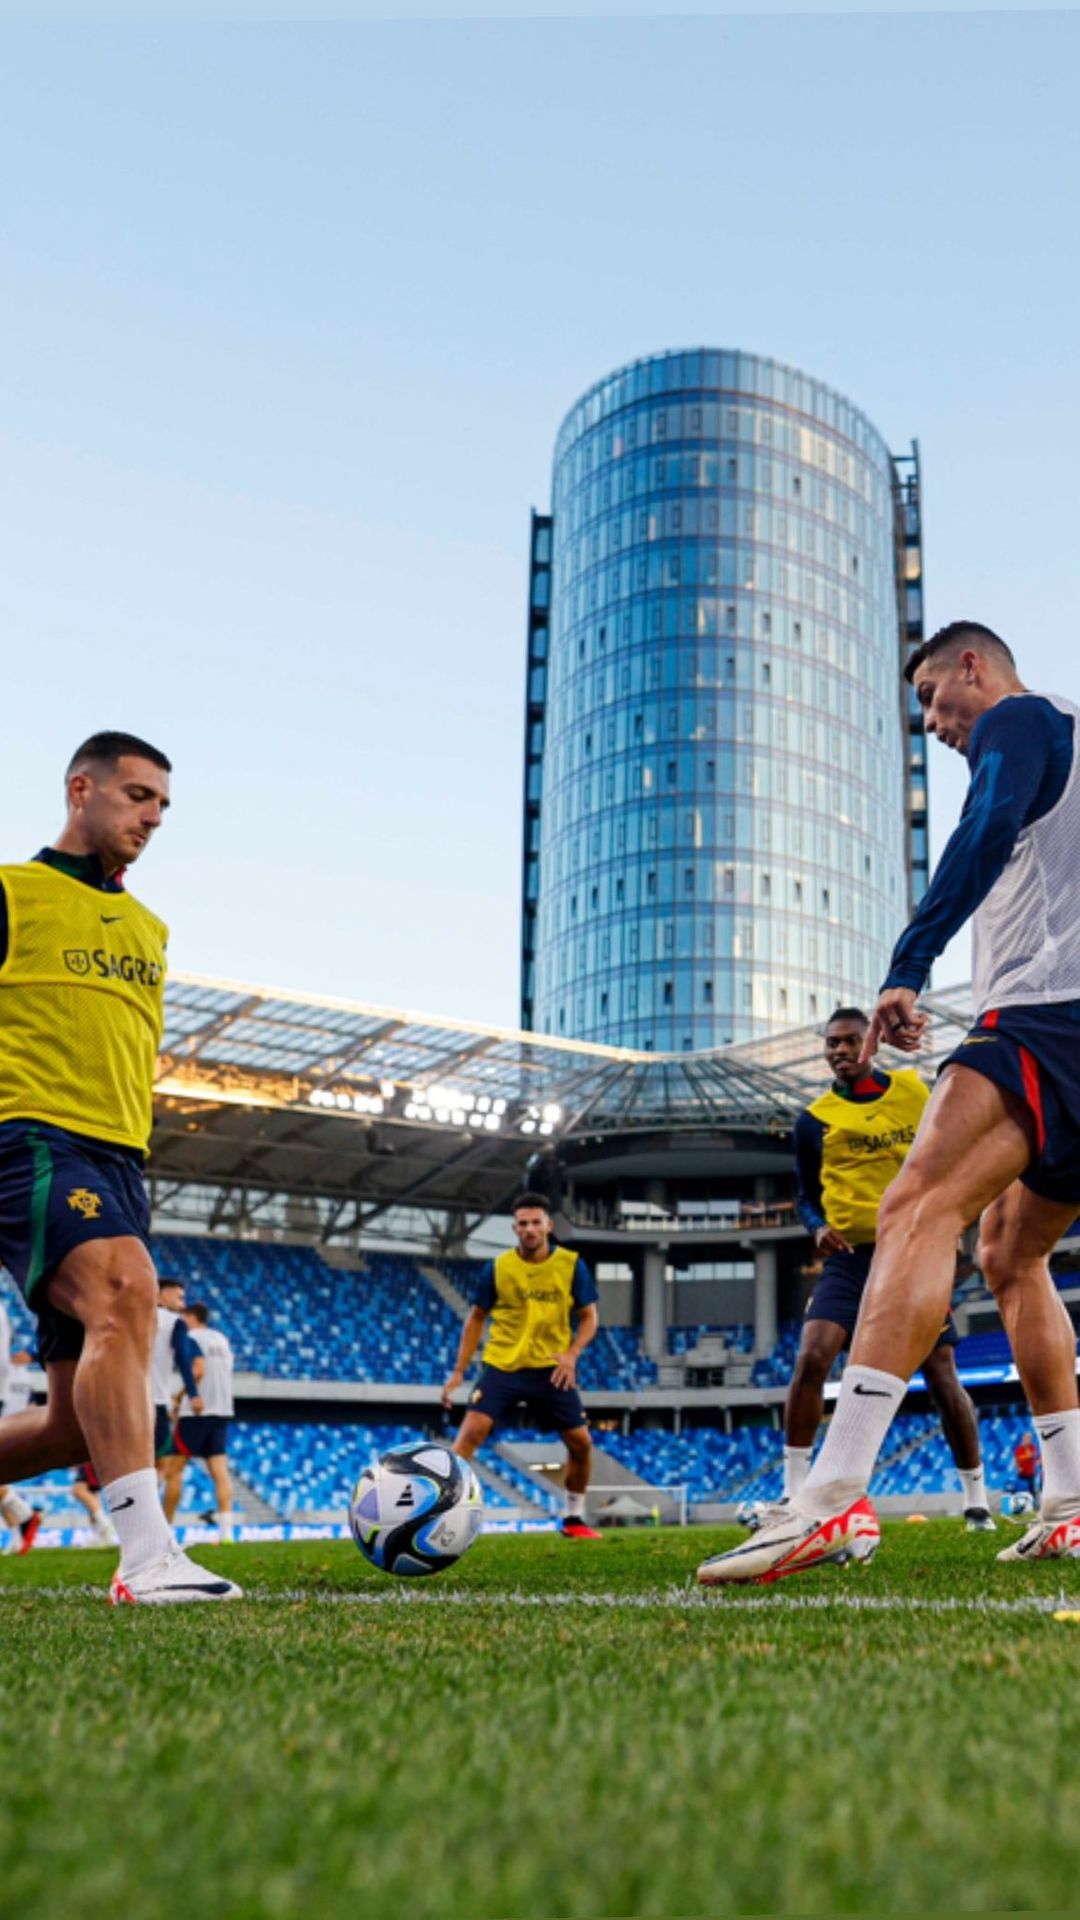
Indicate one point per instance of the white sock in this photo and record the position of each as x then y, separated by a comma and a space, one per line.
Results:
973, 1481
575, 1505
224, 1518
868, 1402
796, 1468
1059, 1444
15, 1509
134, 1508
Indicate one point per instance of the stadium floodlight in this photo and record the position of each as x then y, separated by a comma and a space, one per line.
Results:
528, 1126
387, 1088
499, 1107
483, 1104
492, 1122
545, 1127
552, 1115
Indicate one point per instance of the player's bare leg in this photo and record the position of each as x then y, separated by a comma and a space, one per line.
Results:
974, 1140
821, 1342
217, 1466
1016, 1237
110, 1286
578, 1444
472, 1433
40, 1439
1017, 1234
173, 1469
955, 1408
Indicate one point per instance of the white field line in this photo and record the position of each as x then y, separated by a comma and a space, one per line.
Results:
682, 1599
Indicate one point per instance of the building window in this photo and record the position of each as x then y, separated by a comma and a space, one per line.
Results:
669, 993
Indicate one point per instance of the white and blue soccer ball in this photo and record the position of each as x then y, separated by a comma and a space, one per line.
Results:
416, 1511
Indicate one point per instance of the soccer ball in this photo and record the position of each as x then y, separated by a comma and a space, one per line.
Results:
416, 1510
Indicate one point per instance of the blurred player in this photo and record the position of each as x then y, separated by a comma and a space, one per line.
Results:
87, 1491
849, 1146
82, 969
174, 1352
1001, 1136
15, 1395
531, 1295
204, 1434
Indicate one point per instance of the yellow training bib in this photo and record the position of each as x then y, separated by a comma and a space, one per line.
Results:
530, 1320
81, 1006
865, 1145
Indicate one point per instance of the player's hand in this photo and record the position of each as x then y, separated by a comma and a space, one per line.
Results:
451, 1387
565, 1373
196, 1403
896, 1022
827, 1240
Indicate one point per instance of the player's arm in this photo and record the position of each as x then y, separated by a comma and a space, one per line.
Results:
1010, 757
186, 1353
472, 1331
586, 1308
808, 1140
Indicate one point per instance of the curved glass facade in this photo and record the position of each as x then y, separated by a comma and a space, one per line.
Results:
718, 764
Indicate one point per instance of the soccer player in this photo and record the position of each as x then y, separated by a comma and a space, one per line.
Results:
82, 968
23, 1519
87, 1491
849, 1145
531, 1294
174, 1351
202, 1431
1001, 1136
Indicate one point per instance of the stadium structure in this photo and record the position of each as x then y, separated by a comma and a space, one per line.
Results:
326, 1175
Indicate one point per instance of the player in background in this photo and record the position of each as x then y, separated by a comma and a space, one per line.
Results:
87, 1491
15, 1395
174, 1352
82, 970
204, 1435
849, 1146
531, 1294
1000, 1138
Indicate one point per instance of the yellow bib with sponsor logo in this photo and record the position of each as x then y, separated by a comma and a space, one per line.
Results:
530, 1321
865, 1145
81, 1006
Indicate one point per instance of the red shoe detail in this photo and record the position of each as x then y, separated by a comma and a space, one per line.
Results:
573, 1529
119, 1594
833, 1536
30, 1531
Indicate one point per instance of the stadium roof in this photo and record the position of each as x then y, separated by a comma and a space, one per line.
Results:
263, 1092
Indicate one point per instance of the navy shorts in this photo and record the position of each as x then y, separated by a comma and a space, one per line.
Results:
86, 1476
839, 1289
499, 1393
201, 1435
1034, 1052
57, 1190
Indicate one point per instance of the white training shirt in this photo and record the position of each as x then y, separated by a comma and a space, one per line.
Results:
1027, 931
162, 1365
215, 1386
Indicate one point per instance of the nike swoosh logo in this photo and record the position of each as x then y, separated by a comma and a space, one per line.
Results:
110, 919
754, 1546
121, 1504
874, 1393
1051, 1433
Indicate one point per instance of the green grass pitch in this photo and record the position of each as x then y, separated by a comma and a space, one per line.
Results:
553, 1729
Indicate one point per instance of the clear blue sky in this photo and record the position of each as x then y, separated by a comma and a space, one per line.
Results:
290, 316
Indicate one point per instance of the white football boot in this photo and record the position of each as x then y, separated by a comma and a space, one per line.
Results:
1046, 1540
169, 1581
794, 1543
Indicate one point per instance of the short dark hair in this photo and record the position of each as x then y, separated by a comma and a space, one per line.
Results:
199, 1311
169, 1280
110, 746
530, 1200
948, 637
847, 1013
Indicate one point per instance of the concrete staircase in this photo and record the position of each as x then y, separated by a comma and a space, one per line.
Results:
445, 1289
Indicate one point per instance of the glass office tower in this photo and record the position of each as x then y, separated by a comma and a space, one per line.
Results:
721, 766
